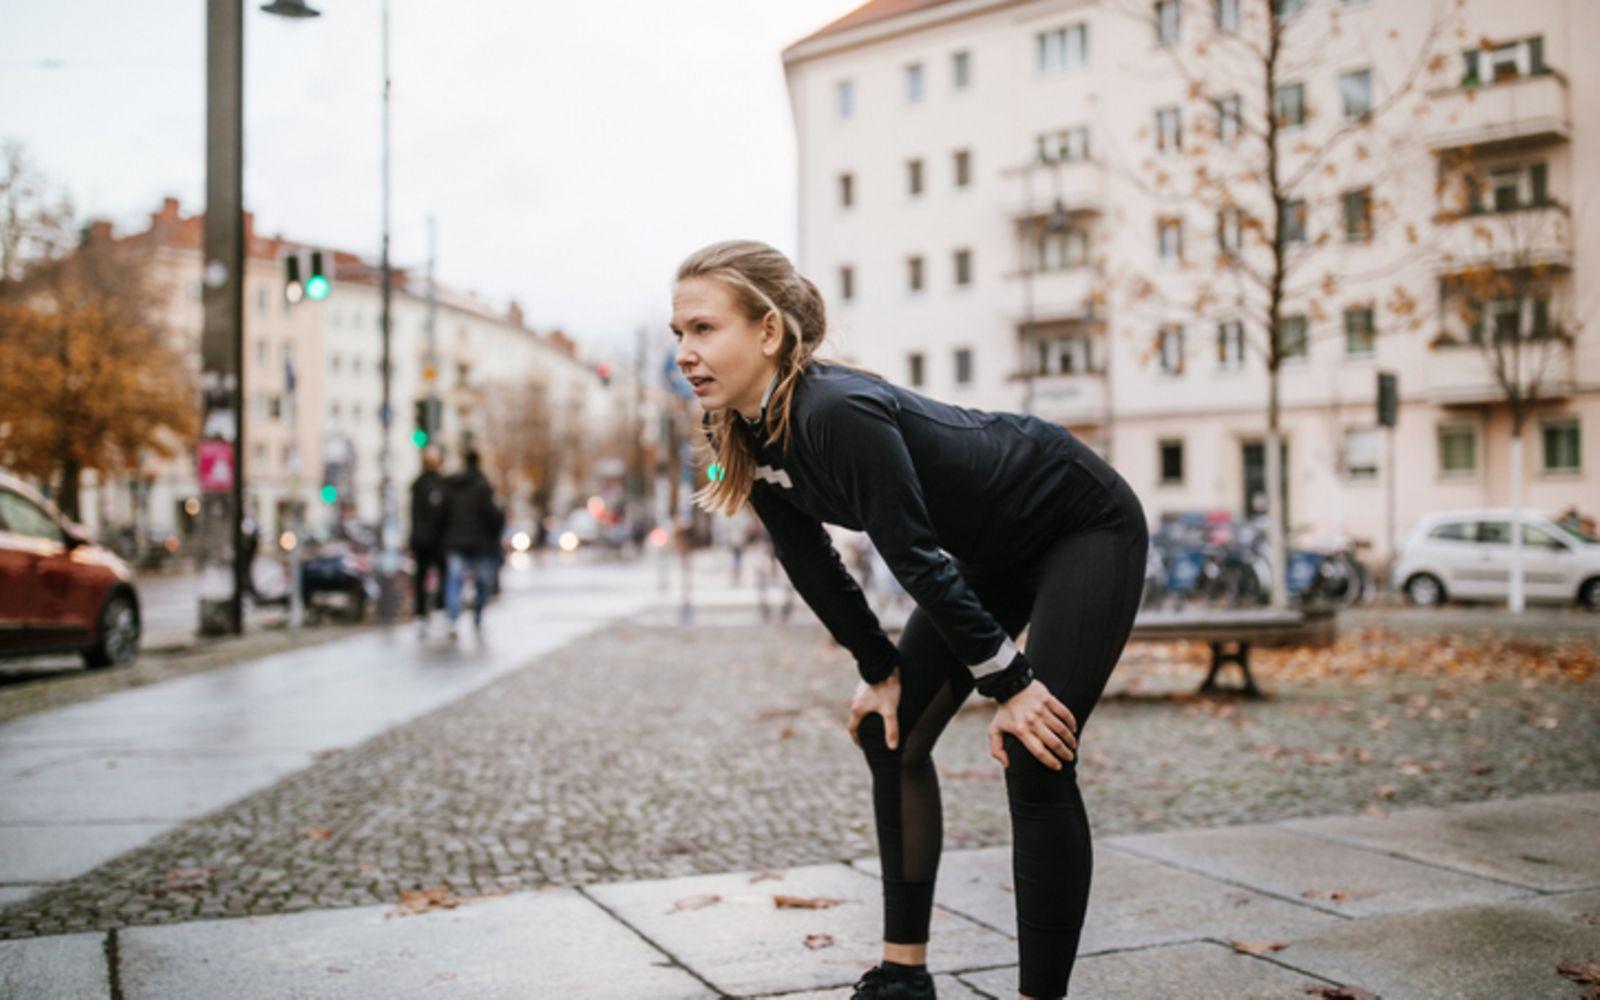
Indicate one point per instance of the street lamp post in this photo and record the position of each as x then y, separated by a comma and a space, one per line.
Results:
219, 458
388, 592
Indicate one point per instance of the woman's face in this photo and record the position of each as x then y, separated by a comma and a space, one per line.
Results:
728, 358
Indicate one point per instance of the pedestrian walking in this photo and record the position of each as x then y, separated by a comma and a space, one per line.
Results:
472, 527
990, 521
426, 541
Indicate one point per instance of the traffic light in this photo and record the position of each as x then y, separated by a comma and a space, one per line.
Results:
317, 284
428, 414
330, 493
603, 369
293, 290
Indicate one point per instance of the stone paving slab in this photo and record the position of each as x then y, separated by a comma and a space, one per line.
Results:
1194, 971
743, 944
1133, 902
1334, 877
537, 944
68, 967
47, 852
1542, 845
1497, 950
1587, 801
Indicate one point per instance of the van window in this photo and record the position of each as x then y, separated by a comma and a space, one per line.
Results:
1454, 532
1494, 532
1539, 539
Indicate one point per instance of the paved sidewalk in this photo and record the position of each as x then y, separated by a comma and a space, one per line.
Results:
88, 782
1479, 900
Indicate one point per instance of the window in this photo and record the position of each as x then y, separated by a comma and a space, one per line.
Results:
1068, 145
1360, 455
914, 274
1454, 531
1230, 231
963, 167
847, 282
1286, 9
1168, 22
1358, 215
1171, 462
847, 98
263, 352
1561, 441
1494, 532
1292, 224
1064, 356
961, 69
1227, 15
1458, 450
914, 177
336, 362
1230, 118
1169, 130
847, 190
1292, 338
1230, 344
1065, 50
261, 301
1169, 240
1511, 188
914, 83
963, 359
1061, 250
1171, 350
20, 516
1360, 334
914, 369
1289, 105
1355, 89
334, 410
1541, 539
1505, 61
963, 267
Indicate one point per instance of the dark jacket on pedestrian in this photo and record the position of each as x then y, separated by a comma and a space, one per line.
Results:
428, 495
472, 522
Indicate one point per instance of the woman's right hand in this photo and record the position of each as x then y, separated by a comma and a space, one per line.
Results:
882, 698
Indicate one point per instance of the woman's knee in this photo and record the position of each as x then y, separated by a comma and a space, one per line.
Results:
1029, 780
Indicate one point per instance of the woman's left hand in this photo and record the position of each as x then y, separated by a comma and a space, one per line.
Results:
1042, 723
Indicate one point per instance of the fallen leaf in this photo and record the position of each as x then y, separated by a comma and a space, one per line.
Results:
1582, 973
1589, 918
1480, 769
1374, 810
337, 968
1339, 992
1258, 947
316, 833
1333, 895
1385, 791
816, 941
805, 902
765, 875
699, 902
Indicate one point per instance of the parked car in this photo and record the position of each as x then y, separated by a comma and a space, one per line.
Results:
59, 591
1466, 555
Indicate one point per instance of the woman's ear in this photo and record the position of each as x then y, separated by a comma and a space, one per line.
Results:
771, 333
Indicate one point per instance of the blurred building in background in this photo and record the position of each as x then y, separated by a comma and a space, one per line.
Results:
529, 401
1057, 206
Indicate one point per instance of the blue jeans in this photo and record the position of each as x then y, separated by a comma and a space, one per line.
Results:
483, 570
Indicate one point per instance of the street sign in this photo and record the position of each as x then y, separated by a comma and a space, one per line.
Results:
216, 466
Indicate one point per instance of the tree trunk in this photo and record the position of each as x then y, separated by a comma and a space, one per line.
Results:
1277, 517
67, 495
1516, 600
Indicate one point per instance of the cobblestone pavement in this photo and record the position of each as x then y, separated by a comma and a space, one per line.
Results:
656, 751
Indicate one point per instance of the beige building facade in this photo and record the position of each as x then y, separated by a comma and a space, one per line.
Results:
1056, 206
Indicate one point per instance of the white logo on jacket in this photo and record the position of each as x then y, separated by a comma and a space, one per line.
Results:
775, 476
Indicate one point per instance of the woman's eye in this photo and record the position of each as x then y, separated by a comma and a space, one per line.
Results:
702, 328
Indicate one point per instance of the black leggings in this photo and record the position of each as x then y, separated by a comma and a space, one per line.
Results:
1080, 595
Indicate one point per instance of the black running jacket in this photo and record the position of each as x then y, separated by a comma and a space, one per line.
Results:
926, 481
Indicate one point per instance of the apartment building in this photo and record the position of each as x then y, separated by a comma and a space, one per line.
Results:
313, 387
1060, 206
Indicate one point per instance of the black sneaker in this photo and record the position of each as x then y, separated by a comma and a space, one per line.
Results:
878, 984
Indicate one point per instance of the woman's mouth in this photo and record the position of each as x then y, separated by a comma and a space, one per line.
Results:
701, 383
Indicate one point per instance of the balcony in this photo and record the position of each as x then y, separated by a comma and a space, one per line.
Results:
1464, 374
1078, 185
1527, 111
1060, 295
1070, 399
1524, 238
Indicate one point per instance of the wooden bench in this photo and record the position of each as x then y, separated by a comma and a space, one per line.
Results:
1231, 633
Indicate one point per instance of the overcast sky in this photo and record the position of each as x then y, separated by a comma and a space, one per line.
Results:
571, 152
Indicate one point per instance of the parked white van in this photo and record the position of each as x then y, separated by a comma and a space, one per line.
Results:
1466, 555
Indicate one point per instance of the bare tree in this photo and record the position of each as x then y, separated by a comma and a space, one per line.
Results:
1249, 142
35, 224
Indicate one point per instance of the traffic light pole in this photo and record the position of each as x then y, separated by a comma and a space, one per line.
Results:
388, 589
220, 455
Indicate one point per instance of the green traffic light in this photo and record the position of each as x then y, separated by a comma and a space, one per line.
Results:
419, 437
330, 493
317, 288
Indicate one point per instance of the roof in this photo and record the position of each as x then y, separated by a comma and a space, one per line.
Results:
870, 12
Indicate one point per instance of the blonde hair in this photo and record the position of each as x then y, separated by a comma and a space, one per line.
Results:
762, 281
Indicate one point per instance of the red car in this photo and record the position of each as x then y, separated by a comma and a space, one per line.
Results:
60, 592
